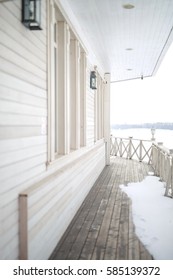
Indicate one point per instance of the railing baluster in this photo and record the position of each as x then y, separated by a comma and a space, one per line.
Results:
120, 147
155, 154
172, 173
140, 151
129, 155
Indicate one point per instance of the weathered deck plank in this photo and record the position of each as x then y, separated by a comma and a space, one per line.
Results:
103, 226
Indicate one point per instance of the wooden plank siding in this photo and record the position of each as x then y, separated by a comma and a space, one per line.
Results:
53, 192
23, 110
50, 210
103, 227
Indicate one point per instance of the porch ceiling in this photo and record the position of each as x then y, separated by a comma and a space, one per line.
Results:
129, 43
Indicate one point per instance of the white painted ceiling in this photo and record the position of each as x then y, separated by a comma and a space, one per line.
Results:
128, 43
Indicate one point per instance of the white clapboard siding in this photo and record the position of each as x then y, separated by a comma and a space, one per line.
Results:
18, 155
17, 132
23, 116
21, 166
18, 72
18, 31
53, 191
17, 108
10, 94
19, 84
9, 226
15, 120
21, 50
12, 193
15, 181
92, 167
22, 143
23, 63
65, 194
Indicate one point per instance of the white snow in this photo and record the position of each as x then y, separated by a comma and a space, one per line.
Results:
152, 216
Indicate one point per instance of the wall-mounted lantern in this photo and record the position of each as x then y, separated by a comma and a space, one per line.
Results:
93, 80
31, 14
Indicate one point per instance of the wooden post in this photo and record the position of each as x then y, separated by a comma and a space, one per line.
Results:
112, 147
140, 151
74, 94
116, 146
171, 153
63, 87
83, 71
120, 145
130, 148
51, 80
107, 117
23, 227
152, 159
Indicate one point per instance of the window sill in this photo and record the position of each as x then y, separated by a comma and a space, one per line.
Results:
64, 160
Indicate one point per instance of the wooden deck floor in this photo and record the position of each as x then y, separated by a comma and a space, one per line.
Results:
103, 228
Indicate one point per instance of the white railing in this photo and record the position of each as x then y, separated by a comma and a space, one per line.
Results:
155, 154
131, 148
162, 162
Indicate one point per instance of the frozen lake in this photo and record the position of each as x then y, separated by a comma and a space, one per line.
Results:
161, 135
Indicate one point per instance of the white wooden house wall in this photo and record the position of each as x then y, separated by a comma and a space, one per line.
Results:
53, 193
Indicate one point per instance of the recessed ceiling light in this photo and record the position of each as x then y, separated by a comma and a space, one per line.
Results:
129, 49
129, 69
128, 6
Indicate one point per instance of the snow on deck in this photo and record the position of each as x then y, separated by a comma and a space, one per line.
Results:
152, 216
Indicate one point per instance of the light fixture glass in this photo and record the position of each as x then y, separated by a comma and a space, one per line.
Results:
129, 49
31, 14
93, 80
128, 6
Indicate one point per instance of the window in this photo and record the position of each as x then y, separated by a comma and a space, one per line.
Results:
67, 89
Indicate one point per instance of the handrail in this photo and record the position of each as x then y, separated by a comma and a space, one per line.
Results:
155, 154
162, 162
131, 148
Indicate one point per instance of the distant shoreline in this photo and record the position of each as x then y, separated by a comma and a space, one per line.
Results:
144, 125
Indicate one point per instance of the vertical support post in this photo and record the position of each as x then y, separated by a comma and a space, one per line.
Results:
102, 109
51, 81
96, 109
151, 158
99, 116
67, 91
83, 71
172, 173
120, 147
140, 151
23, 227
98, 104
107, 117
63, 87
160, 160
130, 148
74, 94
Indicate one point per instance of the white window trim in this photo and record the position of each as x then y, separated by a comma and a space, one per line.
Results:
52, 156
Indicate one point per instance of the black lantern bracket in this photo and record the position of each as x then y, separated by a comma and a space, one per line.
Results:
31, 14
93, 80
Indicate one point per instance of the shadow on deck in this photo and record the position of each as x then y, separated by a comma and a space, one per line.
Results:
103, 228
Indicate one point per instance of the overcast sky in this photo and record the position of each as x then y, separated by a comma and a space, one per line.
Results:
147, 100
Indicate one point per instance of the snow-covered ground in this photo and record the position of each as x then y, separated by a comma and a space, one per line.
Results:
152, 216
